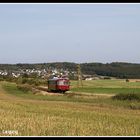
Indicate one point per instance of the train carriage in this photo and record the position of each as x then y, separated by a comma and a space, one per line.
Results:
58, 85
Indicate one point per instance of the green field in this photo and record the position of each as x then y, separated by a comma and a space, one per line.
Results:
87, 111
107, 86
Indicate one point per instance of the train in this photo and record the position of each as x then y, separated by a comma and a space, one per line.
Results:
59, 85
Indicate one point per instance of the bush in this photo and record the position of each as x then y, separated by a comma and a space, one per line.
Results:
24, 88
1, 79
31, 81
128, 96
134, 106
107, 77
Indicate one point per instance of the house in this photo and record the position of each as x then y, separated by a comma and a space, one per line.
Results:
90, 78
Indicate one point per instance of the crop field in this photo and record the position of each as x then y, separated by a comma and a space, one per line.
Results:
90, 110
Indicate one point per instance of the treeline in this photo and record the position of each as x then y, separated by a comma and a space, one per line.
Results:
115, 69
55, 65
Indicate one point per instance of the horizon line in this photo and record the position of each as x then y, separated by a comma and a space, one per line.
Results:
68, 62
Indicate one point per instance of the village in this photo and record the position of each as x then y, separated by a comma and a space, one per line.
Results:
43, 73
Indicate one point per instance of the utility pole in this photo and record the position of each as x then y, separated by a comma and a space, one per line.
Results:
48, 73
80, 83
59, 66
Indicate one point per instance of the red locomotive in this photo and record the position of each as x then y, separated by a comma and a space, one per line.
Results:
58, 85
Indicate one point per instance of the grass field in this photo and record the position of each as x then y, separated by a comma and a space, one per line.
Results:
90, 112
107, 86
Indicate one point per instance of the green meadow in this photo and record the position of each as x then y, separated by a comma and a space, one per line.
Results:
90, 110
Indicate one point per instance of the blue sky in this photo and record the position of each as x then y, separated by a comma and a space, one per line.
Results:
38, 33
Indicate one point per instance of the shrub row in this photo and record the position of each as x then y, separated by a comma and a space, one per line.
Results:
128, 96
31, 81
24, 88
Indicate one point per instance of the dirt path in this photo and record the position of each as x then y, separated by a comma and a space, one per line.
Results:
8, 97
92, 94
4, 96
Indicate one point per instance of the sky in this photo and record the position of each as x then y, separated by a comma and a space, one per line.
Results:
79, 33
